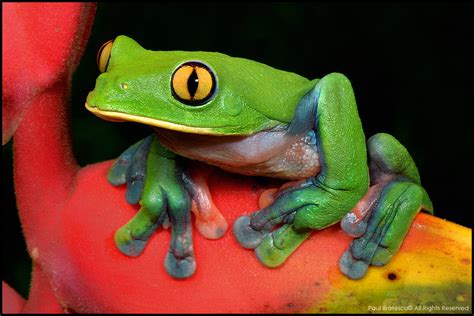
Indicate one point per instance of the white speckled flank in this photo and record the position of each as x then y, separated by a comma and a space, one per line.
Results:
300, 160
272, 153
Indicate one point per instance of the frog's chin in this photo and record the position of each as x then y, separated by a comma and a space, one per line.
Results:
124, 117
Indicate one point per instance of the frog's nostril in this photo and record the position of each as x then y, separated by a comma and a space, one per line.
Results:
124, 86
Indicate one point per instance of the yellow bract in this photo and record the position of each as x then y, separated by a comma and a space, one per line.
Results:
430, 273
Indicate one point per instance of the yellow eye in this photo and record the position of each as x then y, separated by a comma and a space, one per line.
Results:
193, 83
103, 56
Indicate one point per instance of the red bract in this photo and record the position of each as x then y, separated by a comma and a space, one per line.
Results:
42, 45
12, 303
69, 215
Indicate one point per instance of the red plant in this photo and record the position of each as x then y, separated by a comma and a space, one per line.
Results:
69, 214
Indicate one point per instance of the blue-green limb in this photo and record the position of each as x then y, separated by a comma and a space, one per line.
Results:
118, 172
154, 175
322, 200
392, 209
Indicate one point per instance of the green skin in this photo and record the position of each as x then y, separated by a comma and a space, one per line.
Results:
259, 121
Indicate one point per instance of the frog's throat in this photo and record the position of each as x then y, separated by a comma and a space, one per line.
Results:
124, 117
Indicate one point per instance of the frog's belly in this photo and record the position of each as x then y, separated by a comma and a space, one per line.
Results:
271, 153
299, 161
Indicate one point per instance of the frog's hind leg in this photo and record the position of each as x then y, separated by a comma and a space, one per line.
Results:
383, 217
330, 113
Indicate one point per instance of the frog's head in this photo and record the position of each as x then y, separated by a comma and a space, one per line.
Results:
192, 92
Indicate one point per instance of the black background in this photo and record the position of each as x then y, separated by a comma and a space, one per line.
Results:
410, 66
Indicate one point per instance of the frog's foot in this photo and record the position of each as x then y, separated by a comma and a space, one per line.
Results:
180, 261
385, 228
268, 196
383, 217
162, 208
130, 168
132, 238
209, 221
163, 200
354, 223
274, 246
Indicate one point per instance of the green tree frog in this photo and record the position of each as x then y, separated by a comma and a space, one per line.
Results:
249, 118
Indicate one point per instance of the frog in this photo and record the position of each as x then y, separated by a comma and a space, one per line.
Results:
246, 117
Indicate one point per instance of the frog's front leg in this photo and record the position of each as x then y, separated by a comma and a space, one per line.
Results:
320, 201
381, 220
154, 179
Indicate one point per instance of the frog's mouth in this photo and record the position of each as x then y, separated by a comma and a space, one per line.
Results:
124, 117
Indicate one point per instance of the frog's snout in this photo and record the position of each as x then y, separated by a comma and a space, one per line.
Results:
89, 103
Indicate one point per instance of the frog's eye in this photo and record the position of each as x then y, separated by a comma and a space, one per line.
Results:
193, 83
103, 56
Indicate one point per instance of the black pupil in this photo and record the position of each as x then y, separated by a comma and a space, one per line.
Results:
193, 83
